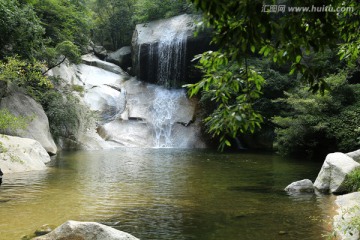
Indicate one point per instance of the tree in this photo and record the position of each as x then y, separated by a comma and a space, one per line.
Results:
21, 31
113, 22
64, 20
242, 30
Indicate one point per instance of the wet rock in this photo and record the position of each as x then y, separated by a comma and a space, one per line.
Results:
161, 39
45, 229
85, 230
304, 185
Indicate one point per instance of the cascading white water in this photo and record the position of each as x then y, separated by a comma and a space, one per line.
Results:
171, 55
165, 105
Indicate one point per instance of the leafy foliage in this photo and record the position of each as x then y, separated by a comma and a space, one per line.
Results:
113, 22
25, 74
66, 115
352, 181
315, 123
233, 91
243, 30
64, 21
11, 122
21, 31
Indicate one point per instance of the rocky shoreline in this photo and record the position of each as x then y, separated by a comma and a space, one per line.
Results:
331, 179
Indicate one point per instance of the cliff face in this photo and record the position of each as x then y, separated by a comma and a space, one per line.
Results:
162, 50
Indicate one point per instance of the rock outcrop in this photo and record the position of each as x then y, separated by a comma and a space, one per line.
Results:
85, 231
132, 113
121, 57
333, 172
302, 186
162, 50
38, 129
21, 154
348, 209
355, 155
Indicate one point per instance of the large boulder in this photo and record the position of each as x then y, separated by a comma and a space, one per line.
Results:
121, 57
85, 231
302, 186
348, 209
21, 154
38, 129
333, 172
355, 155
162, 50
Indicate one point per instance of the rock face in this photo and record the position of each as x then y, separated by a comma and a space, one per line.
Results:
21, 154
85, 231
354, 155
348, 208
162, 50
333, 172
121, 57
38, 128
302, 186
132, 113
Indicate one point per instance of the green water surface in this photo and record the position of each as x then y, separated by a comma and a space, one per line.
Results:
167, 194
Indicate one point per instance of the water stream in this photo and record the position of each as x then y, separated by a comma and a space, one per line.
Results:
167, 194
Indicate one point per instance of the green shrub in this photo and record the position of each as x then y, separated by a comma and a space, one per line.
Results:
67, 117
11, 122
352, 181
316, 124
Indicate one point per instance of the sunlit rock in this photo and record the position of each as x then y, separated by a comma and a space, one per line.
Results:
38, 128
304, 185
354, 155
348, 210
21, 154
333, 172
86, 230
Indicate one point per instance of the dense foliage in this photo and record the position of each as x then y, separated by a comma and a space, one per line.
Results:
243, 30
320, 123
115, 20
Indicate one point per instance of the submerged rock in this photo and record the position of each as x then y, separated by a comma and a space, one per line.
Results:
21, 154
85, 231
333, 172
305, 186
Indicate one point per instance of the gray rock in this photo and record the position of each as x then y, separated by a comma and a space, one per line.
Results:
100, 52
86, 231
348, 208
92, 60
121, 57
304, 185
21, 154
354, 155
333, 172
38, 129
108, 102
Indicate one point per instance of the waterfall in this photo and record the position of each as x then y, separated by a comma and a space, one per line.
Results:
171, 63
165, 106
166, 58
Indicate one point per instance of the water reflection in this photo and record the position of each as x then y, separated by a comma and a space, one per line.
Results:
166, 194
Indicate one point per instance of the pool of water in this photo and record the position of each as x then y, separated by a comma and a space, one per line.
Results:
167, 194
